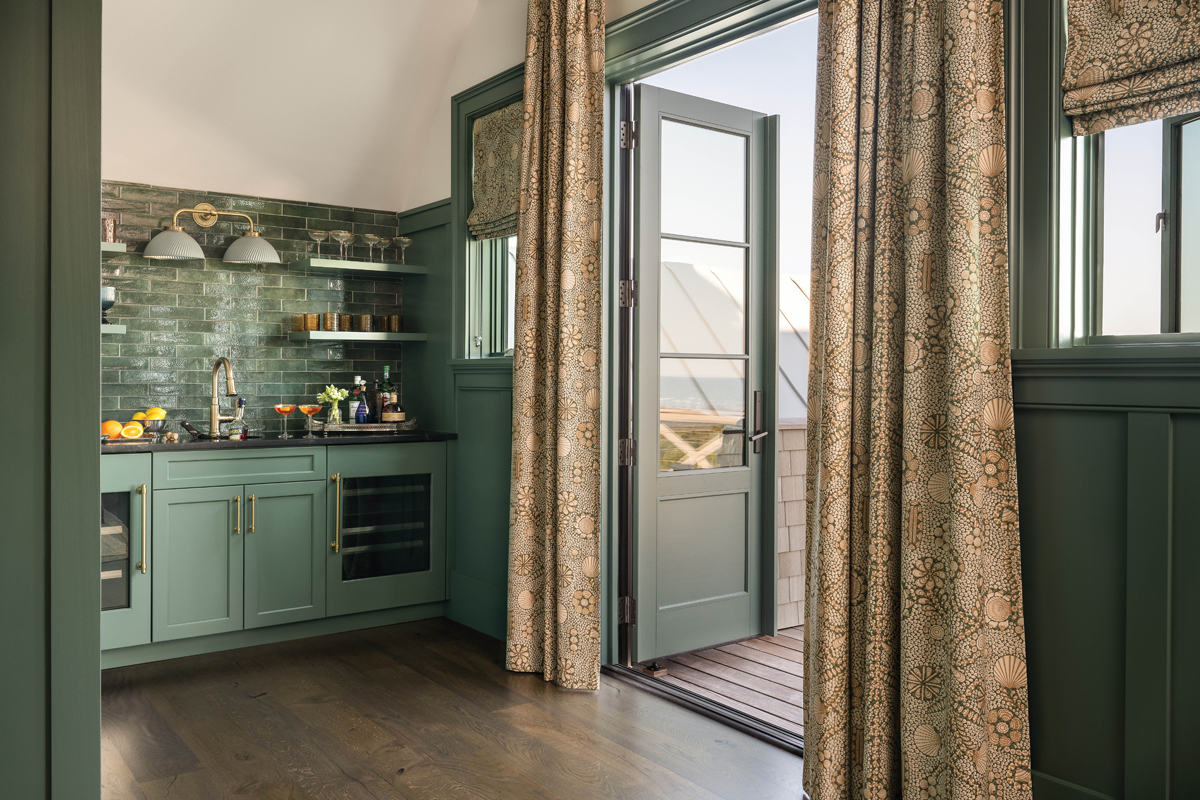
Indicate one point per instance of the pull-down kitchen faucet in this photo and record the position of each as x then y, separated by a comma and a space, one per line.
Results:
215, 417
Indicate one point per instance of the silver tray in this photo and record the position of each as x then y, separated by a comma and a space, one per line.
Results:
373, 427
122, 440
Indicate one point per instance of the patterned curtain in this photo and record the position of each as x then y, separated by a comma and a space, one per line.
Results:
1130, 61
496, 138
914, 633
554, 555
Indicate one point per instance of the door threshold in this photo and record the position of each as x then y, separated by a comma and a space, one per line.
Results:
765, 731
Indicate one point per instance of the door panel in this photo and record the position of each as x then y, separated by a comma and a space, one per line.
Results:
701, 338
197, 562
285, 553
124, 587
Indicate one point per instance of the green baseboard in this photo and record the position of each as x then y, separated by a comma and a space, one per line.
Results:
162, 651
1047, 787
479, 605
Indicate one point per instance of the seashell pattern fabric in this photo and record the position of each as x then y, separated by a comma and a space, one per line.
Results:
554, 555
1130, 61
915, 682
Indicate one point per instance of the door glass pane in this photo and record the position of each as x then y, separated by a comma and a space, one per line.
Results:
385, 526
115, 521
703, 182
702, 307
1132, 258
702, 413
1189, 227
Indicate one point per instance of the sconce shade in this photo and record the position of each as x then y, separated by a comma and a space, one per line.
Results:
173, 245
250, 248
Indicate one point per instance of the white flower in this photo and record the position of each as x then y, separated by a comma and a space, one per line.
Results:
332, 394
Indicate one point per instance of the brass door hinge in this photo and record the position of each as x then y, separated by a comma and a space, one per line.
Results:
627, 452
628, 135
626, 611
628, 292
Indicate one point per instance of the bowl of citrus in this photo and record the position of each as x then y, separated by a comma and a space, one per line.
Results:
150, 421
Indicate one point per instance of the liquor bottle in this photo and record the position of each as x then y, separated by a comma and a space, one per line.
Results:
356, 399
376, 410
360, 414
387, 385
393, 411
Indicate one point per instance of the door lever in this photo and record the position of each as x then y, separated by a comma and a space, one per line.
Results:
757, 436
759, 432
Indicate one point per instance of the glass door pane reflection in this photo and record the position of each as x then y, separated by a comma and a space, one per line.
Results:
703, 298
702, 413
115, 521
703, 182
385, 526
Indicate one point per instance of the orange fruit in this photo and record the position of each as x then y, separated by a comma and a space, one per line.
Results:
132, 431
112, 428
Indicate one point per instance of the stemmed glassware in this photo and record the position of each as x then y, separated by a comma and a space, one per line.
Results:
371, 240
318, 237
343, 238
285, 409
310, 410
402, 242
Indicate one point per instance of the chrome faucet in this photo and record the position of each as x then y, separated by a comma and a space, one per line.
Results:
215, 417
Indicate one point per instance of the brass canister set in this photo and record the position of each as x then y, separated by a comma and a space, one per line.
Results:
333, 321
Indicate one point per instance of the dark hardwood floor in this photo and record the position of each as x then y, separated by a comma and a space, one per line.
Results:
423, 710
762, 677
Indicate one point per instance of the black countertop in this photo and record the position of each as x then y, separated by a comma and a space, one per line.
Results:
273, 440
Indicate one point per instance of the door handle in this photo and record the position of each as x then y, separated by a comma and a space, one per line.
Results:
142, 564
759, 435
336, 544
237, 515
759, 432
251, 513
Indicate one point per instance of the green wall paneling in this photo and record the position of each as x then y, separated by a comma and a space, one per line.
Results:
126, 473
479, 555
193, 469
197, 559
1184, 642
284, 542
369, 594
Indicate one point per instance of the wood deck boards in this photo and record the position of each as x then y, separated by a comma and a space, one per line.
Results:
761, 677
413, 712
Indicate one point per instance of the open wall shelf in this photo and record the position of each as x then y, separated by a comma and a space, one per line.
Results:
113, 247
337, 265
113, 330
355, 336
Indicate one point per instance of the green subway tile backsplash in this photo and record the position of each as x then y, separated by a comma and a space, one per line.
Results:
181, 316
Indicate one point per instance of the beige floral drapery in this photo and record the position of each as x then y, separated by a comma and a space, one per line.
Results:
914, 631
496, 139
1130, 61
554, 555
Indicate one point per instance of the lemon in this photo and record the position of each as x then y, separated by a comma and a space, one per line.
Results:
133, 430
155, 413
140, 415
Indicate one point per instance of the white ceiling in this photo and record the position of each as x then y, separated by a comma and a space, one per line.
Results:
346, 103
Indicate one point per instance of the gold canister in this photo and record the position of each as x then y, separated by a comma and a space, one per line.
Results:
312, 322
380, 323
394, 323
363, 323
297, 322
332, 321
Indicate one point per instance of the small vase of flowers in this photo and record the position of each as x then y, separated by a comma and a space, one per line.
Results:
333, 396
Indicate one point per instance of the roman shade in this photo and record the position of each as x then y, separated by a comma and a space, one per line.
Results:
497, 147
1130, 61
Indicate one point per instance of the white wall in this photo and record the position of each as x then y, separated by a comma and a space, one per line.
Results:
346, 103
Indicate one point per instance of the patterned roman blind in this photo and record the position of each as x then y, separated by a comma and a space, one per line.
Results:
497, 174
1130, 61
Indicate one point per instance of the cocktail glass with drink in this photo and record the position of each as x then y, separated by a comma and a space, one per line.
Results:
310, 410
284, 409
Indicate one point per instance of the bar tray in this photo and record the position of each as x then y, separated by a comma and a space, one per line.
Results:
371, 427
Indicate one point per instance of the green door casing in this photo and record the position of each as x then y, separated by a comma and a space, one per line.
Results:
124, 527
284, 543
196, 560
702, 340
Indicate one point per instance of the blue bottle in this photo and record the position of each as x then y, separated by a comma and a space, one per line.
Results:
360, 415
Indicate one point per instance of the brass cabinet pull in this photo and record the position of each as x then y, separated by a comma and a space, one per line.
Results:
142, 564
252, 513
237, 515
336, 544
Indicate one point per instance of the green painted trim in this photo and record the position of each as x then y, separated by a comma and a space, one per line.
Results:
162, 651
473, 603
1047, 787
427, 216
74, 370
468, 365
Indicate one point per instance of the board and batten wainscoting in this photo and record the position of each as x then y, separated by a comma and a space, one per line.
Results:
180, 316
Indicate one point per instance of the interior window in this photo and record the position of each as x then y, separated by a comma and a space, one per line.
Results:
1146, 210
491, 315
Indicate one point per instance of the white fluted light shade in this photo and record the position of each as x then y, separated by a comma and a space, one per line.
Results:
173, 244
250, 248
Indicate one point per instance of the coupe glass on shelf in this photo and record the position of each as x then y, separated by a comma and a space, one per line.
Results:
343, 238
285, 409
402, 242
318, 237
371, 240
309, 410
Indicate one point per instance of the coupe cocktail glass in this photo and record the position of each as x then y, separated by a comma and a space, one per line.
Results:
310, 410
284, 409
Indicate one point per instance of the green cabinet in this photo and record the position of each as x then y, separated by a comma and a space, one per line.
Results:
125, 576
387, 522
285, 553
197, 562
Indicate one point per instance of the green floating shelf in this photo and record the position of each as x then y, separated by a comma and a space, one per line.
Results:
113, 247
113, 330
355, 336
337, 265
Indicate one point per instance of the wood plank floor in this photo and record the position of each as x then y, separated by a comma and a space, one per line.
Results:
420, 711
762, 677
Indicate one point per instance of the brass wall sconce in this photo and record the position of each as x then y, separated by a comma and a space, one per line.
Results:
172, 244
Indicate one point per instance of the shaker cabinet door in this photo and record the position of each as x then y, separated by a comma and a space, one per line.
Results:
197, 561
285, 553
125, 577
